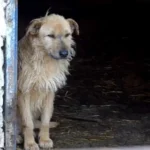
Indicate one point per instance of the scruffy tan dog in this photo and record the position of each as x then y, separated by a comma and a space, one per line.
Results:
44, 55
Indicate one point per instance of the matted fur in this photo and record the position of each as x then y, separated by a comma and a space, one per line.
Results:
42, 72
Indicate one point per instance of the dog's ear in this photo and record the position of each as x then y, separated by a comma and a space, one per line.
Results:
34, 27
74, 26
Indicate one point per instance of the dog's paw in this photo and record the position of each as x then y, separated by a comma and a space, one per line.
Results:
46, 143
31, 146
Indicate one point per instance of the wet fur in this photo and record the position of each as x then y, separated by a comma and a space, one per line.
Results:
41, 75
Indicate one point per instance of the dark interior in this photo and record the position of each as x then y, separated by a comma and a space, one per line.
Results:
106, 101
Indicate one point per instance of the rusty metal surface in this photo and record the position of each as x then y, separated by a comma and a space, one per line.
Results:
11, 74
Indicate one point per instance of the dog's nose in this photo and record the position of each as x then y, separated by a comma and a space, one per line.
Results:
63, 53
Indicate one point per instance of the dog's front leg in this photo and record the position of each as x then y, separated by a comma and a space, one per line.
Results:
47, 111
27, 122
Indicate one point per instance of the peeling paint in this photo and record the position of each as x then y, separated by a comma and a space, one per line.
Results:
2, 36
11, 74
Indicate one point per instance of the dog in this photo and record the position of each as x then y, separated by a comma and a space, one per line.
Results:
44, 58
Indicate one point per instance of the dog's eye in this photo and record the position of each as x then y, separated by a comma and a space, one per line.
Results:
68, 34
51, 35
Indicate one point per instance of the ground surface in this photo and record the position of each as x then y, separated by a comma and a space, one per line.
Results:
103, 104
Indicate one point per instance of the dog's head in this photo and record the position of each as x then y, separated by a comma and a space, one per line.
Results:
53, 34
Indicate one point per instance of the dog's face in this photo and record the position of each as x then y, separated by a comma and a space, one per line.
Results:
53, 34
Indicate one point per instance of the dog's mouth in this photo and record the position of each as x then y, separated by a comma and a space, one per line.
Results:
69, 57
54, 57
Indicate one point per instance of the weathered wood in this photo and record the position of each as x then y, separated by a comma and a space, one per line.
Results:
2, 37
119, 148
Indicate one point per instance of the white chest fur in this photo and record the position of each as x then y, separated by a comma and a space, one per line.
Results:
45, 75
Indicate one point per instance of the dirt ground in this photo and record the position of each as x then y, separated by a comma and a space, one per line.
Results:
105, 103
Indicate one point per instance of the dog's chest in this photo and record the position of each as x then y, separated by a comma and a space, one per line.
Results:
43, 77
49, 77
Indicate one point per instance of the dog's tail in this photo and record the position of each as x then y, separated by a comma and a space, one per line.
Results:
52, 124
47, 12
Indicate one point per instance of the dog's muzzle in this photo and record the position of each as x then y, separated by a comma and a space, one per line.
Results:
62, 54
